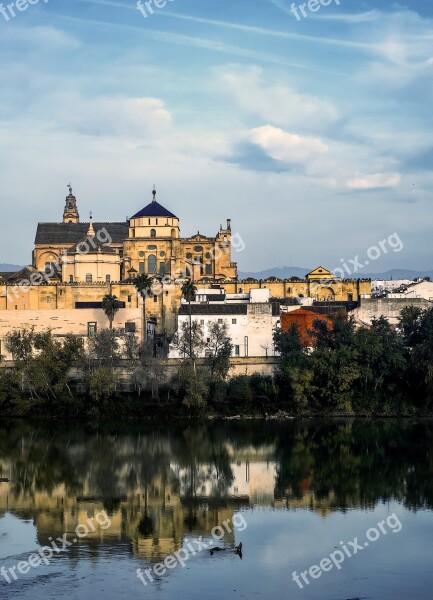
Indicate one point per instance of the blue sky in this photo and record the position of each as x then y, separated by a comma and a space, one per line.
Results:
314, 136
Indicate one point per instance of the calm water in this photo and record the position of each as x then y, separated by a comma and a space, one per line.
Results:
291, 493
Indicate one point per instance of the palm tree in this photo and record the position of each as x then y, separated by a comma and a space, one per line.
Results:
110, 306
143, 285
189, 292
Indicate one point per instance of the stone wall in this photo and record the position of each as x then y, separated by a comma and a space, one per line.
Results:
390, 308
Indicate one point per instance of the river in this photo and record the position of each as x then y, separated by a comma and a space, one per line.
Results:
329, 510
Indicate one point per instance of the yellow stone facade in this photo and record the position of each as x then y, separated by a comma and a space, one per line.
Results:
147, 243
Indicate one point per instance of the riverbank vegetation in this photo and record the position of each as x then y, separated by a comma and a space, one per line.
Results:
379, 370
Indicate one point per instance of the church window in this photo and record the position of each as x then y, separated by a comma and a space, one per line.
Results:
108, 278
162, 268
151, 263
153, 233
156, 221
89, 278
189, 255
91, 329
141, 268
141, 254
149, 221
151, 247
198, 248
162, 254
208, 255
209, 269
71, 279
237, 350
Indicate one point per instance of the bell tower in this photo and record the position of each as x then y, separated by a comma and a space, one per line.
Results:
70, 214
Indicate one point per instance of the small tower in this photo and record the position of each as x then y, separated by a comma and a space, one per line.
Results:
91, 230
70, 214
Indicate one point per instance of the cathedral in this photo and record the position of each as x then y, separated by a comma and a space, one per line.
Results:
148, 243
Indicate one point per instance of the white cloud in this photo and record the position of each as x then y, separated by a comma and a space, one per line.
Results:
279, 104
286, 147
375, 181
44, 38
112, 116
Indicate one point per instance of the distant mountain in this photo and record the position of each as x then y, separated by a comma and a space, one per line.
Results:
280, 272
5, 268
287, 272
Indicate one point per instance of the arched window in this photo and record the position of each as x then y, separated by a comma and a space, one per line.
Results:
153, 233
151, 263
173, 233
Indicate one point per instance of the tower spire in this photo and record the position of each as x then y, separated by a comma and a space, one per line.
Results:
154, 194
91, 230
70, 214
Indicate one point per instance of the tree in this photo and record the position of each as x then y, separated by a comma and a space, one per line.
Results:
191, 340
340, 334
104, 347
220, 348
192, 387
42, 362
381, 361
293, 375
102, 385
189, 292
410, 325
143, 285
110, 306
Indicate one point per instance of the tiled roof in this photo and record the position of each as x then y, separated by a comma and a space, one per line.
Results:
90, 245
71, 233
154, 209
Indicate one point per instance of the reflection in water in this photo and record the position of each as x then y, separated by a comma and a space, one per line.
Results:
160, 485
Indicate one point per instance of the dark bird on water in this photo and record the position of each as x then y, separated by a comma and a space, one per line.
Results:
237, 550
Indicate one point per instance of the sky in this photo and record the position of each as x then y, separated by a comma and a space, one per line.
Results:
312, 133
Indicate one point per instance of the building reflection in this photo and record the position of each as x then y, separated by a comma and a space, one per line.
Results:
162, 488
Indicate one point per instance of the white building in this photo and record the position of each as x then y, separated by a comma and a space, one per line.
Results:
251, 320
422, 289
381, 286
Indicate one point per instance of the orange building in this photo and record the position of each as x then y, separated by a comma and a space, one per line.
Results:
305, 317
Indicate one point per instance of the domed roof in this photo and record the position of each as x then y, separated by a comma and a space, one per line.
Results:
154, 209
